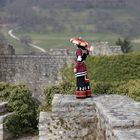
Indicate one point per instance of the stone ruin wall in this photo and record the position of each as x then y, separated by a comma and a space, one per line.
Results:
104, 117
103, 48
36, 71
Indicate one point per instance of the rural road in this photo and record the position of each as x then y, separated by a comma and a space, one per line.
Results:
10, 32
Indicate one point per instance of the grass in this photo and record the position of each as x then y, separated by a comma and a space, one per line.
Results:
19, 47
61, 40
79, 19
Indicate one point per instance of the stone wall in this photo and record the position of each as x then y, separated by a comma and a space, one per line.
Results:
103, 48
36, 71
107, 117
70, 120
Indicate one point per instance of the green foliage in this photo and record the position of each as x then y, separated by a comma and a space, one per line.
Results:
125, 45
63, 88
114, 68
68, 74
130, 88
5, 90
20, 101
108, 75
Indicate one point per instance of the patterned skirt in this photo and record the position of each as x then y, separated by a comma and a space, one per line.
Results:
82, 87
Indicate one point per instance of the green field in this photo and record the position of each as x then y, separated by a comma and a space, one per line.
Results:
60, 40
18, 46
53, 28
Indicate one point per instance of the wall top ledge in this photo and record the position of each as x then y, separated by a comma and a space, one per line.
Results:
118, 111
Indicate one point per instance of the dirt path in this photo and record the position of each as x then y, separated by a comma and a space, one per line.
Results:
10, 32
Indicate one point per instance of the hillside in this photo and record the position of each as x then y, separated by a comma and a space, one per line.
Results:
116, 16
67, 18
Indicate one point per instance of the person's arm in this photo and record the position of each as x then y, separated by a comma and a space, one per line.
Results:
78, 59
79, 54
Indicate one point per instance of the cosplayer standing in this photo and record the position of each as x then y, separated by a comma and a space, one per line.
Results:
82, 82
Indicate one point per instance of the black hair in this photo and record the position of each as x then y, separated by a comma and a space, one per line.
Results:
81, 47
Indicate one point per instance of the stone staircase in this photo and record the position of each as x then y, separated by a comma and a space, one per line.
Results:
4, 134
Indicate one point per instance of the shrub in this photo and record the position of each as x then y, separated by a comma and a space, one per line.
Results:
102, 88
63, 88
5, 91
25, 119
68, 74
108, 68
130, 88
114, 68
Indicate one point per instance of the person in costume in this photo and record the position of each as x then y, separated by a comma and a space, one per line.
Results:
80, 69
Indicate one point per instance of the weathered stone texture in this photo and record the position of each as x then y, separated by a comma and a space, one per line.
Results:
108, 117
103, 48
70, 120
4, 133
127, 134
36, 71
117, 113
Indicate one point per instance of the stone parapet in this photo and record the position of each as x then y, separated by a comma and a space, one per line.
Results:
36, 71
70, 119
117, 114
107, 117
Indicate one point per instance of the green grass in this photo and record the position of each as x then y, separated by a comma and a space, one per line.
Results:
60, 40
115, 68
109, 68
78, 19
19, 47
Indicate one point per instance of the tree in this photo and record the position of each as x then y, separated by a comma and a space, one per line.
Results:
125, 44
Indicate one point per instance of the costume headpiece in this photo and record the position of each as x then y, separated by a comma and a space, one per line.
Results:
79, 41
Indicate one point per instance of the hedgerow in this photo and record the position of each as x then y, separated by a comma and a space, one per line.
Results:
114, 68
